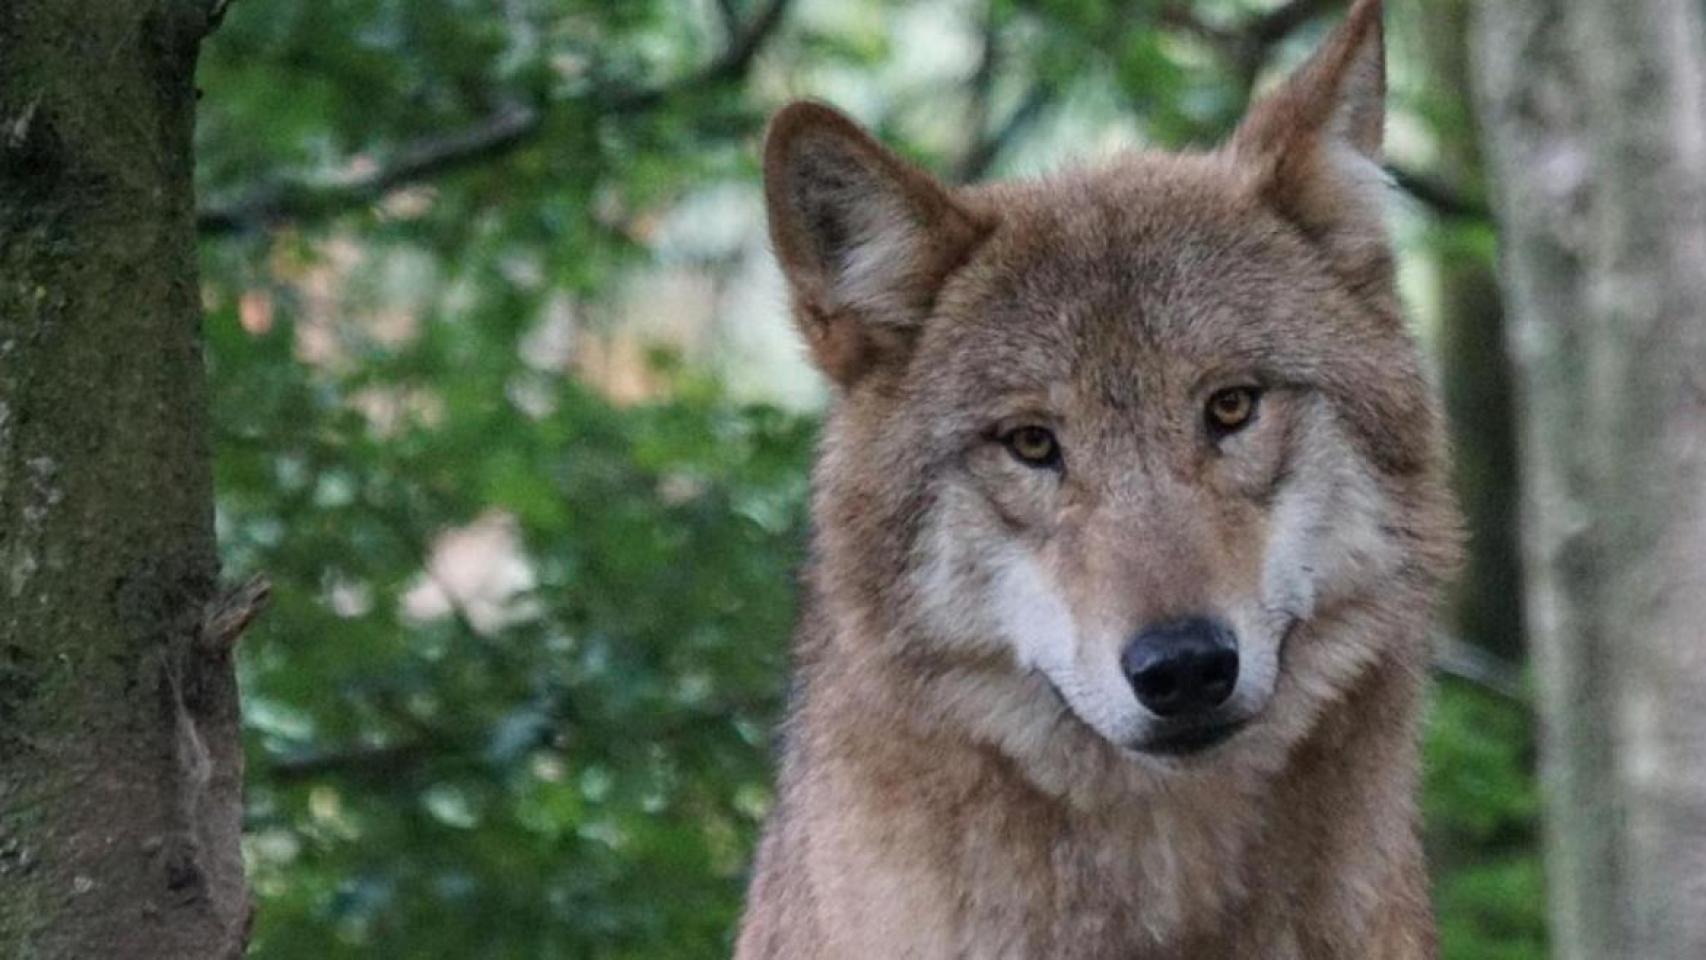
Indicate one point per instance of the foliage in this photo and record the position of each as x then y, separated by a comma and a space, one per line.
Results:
577, 772
1482, 809
423, 219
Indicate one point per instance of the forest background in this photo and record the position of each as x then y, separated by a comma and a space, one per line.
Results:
508, 409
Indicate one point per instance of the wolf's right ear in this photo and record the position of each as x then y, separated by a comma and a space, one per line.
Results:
864, 238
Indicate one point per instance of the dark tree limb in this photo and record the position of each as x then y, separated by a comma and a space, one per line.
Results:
1280, 23
414, 162
730, 17
981, 90
1249, 47
743, 48
1470, 664
509, 129
216, 11
1183, 16
746, 43
380, 764
1439, 196
1255, 37
983, 154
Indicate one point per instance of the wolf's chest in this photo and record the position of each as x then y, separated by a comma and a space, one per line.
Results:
1004, 882
1116, 890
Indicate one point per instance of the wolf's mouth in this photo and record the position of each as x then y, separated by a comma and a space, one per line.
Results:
1192, 740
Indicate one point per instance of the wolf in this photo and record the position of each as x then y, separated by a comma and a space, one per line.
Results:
1130, 514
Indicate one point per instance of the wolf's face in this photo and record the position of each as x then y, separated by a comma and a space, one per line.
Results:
1139, 468
1136, 432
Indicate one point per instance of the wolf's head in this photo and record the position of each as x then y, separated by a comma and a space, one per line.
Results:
1151, 435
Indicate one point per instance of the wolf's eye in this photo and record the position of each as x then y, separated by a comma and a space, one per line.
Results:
1033, 446
1232, 410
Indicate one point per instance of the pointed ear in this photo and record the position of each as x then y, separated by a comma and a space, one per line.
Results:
1315, 145
864, 238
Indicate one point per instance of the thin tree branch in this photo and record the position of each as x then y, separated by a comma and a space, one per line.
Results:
730, 18
983, 154
389, 763
1278, 24
1255, 36
216, 11
1183, 16
731, 64
414, 162
1461, 661
1249, 47
499, 135
981, 85
748, 42
1442, 198
380, 763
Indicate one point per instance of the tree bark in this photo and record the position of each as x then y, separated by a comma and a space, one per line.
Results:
120, 763
1596, 116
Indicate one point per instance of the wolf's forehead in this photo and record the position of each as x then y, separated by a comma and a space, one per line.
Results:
1130, 278
1112, 357
1146, 256
1121, 311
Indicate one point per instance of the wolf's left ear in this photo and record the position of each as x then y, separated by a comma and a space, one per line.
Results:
1315, 145
865, 238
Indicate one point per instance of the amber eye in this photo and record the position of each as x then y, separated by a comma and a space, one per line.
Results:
1033, 446
1232, 410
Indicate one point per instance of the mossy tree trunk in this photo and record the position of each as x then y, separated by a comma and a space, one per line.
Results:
1596, 117
120, 767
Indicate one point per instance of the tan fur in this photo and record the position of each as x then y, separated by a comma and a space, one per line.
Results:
965, 772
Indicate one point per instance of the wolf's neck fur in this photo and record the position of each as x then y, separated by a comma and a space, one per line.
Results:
966, 802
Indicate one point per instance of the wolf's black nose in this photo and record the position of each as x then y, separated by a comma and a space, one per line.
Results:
1183, 666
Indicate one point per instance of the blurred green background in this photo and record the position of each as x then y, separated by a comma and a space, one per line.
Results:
509, 411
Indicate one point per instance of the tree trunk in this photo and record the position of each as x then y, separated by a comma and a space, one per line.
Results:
120, 764
1476, 376
1596, 118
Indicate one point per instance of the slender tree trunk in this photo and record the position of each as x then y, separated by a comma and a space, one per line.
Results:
1477, 377
120, 765
1596, 115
